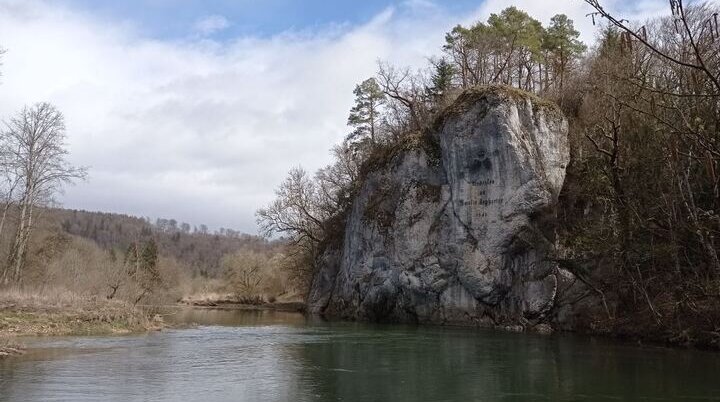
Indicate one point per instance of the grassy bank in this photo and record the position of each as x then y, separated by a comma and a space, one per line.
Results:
32, 313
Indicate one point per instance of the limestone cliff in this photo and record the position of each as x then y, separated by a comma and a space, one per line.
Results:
454, 226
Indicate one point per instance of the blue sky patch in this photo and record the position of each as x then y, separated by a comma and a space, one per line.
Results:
175, 19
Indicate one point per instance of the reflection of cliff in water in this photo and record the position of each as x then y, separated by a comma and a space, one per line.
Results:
391, 364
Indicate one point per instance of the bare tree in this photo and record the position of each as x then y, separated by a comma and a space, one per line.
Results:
405, 91
695, 33
35, 139
9, 181
676, 83
336, 182
245, 271
295, 211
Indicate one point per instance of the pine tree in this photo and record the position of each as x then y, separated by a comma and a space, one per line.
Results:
561, 41
132, 258
365, 115
149, 258
441, 80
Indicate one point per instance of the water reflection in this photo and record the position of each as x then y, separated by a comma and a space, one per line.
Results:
273, 356
437, 365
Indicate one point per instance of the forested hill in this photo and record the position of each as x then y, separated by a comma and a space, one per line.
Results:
196, 247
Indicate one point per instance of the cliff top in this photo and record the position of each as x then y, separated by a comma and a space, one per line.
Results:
494, 95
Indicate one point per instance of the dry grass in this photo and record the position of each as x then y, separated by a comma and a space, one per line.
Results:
203, 292
290, 301
39, 298
57, 312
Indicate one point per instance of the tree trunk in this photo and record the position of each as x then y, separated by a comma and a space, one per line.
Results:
16, 259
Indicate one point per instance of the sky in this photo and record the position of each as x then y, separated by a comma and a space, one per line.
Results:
195, 109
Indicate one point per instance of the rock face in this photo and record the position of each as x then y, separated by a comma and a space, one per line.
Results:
454, 227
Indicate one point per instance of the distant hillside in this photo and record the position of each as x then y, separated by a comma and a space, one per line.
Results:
197, 248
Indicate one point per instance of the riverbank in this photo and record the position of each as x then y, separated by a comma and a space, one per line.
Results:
9, 348
61, 314
638, 330
229, 302
249, 356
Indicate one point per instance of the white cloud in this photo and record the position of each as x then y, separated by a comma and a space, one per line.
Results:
198, 130
211, 24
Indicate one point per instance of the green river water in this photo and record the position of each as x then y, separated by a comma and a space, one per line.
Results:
274, 356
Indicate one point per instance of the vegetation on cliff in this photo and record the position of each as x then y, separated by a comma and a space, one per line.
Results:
640, 213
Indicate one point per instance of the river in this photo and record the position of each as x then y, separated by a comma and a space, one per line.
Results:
275, 356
